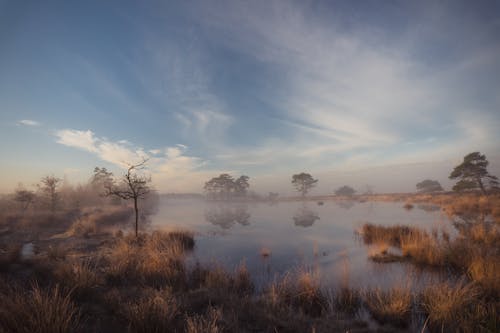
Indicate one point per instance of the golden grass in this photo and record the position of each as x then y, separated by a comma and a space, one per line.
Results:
391, 235
390, 306
80, 276
447, 304
38, 310
206, 323
152, 260
301, 291
486, 271
155, 311
217, 279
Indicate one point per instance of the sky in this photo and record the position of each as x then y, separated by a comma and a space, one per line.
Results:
370, 93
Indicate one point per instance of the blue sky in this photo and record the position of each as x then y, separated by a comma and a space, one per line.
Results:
384, 93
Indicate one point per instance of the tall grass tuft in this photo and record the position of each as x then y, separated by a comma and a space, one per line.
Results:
390, 306
38, 310
447, 304
154, 312
206, 323
300, 291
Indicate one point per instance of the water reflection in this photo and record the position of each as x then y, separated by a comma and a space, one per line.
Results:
226, 216
429, 207
346, 204
305, 217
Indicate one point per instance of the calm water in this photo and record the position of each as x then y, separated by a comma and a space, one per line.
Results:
318, 237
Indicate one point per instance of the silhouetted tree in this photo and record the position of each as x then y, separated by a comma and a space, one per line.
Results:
133, 186
24, 197
472, 174
226, 187
345, 190
101, 179
48, 186
427, 186
241, 186
303, 182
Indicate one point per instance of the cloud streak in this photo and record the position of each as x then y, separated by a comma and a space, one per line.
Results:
29, 122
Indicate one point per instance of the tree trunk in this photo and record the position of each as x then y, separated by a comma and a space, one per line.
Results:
136, 218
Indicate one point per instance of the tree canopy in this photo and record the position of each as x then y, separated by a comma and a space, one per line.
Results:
345, 190
225, 187
303, 183
472, 174
428, 186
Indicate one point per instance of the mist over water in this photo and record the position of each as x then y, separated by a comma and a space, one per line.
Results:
298, 235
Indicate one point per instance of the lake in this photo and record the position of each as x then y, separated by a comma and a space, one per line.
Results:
298, 235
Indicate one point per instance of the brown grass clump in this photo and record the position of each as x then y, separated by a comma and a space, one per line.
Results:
486, 271
301, 292
447, 305
217, 279
391, 235
155, 260
37, 310
392, 306
80, 276
206, 323
346, 300
155, 311
423, 249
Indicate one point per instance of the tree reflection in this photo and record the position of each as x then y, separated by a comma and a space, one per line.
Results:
346, 204
226, 216
305, 217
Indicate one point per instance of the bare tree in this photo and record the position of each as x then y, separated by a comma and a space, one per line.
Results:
48, 186
133, 187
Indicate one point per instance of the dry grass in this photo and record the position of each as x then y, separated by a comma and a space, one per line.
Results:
155, 260
218, 280
37, 310
486, 271
80, 276
300, 291
447, 305
391, 235
155, 311
390, 306
210, 322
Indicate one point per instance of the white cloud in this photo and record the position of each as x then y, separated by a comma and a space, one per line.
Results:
171, 169
28, 122
79, 139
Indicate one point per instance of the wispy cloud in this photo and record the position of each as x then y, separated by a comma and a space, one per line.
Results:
28, 122
172, 169
345, 91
